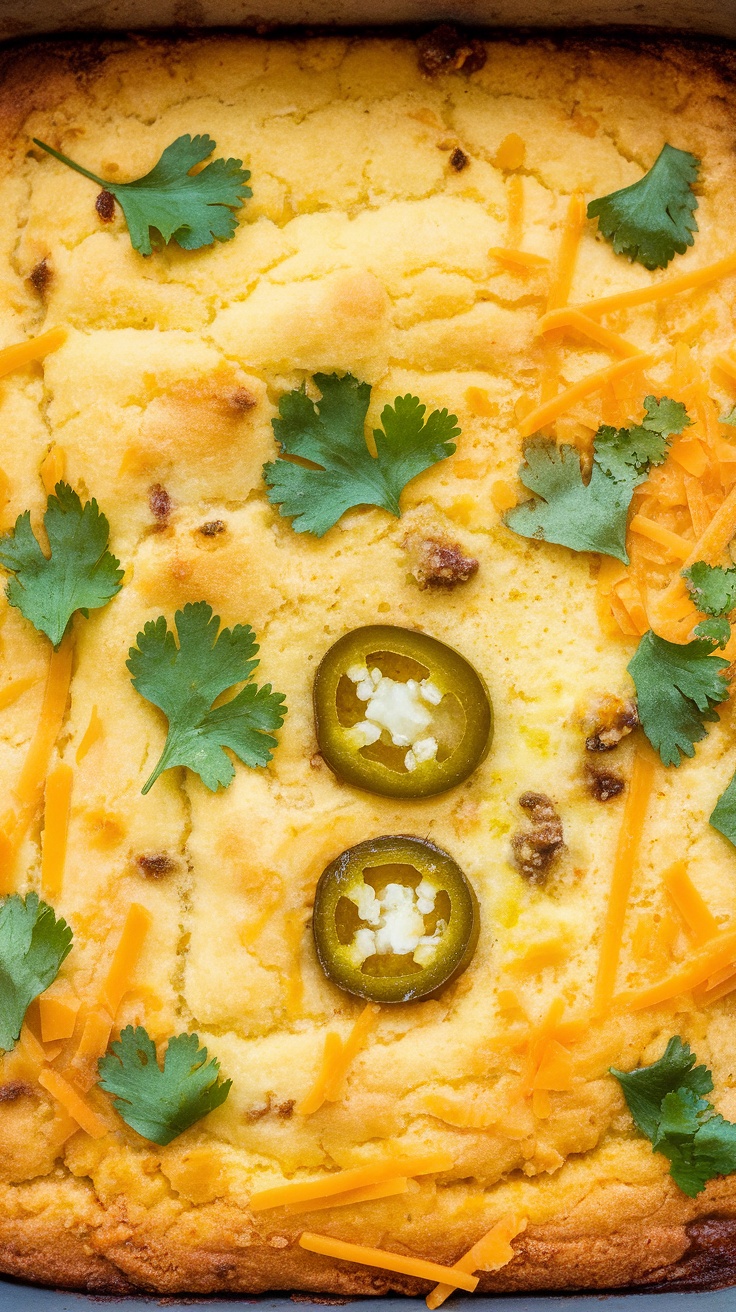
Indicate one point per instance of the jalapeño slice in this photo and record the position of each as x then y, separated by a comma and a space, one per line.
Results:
394, 919
399, 713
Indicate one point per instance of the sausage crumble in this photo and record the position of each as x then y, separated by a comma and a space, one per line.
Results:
40, 277
446, 50
604, 784
459, 160
212, 528
156, 866
105, 206
611, 720
160, 504
535, 849
438, 564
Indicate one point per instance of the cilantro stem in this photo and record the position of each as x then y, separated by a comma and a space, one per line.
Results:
64, 159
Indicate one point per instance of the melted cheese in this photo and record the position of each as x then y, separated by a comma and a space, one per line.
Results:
73, 1103
712, 957
56, 822
408, 1266
94, 731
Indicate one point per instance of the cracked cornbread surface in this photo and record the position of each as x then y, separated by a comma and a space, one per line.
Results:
364, 248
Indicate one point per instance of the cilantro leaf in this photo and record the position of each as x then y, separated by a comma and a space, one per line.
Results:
33, 944
667, 1102
653, 218
331, 434
677, 687
592, 516
81, 573
193, 210
184, 682
161, 1104
723, 816
712, 588
716, 631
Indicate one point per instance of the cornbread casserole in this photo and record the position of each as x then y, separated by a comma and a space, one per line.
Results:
417, 208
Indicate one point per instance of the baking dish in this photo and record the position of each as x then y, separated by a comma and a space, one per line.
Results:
719, 20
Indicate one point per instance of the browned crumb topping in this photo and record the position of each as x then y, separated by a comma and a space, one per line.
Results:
282, 1109
438, 564
105, 206
212, 528
160, 504
604, 784
156, 866
535, 849
611, 720
241, 399
40, 276
14, 1090
459, 160
446, 50
285, 1109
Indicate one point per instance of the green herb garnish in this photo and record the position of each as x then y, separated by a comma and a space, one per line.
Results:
81, 573
331, 435
33, 944
677, 688
592, 516
652, 219
192, 210
161, 1103
713, 590
185, 681
668, 1105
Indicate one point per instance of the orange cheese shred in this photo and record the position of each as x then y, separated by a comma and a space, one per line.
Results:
668, 607
627, 850
58, 1013
569, 317
56, 822
333, 1051
661, 291
554, 1072
491, 1253
15, 689
537, 1042
14, 357
73, 1103
355, 1041
125, 956
676, 546
357, 1177
561, 282
53, 468
549, 410
408, 1266
94, 731
698, 919
712, 957
520, 259
351, 1197
515, 220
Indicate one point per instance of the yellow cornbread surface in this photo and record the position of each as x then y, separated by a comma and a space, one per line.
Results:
365, 249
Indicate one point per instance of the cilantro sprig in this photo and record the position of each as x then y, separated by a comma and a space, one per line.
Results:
161, 1103
713, 590
192, 210
185, 680
677, 688
331, 435
667, 1101
592, 516
652, 219
81, 574
33, 944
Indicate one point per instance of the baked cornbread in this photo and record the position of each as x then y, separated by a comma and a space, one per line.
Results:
384, 173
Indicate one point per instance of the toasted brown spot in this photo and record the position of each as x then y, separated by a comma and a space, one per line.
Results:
105, 206
604, 784
241, 399
259, 1110
160, 503
459, 160
437, 563
40, 276
610, 720
535, 849
447, 50
212, 528
14, 1090
156, 866
285, 1109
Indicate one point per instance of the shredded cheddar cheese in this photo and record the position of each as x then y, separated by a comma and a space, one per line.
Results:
92, 734
15, 689
78, 1108
332, 1052
351, 1197
519, 259
570, 317
125, 956
547, 411
699, 920
53, 468
491, 1253
356, 1177
712, 957
515, 220
56, 821
58, 1014
408, 1266
673, 544
511, 153
630, 834
14, 357
661, 291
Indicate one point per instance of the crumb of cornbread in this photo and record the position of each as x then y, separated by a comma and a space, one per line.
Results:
364, 248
